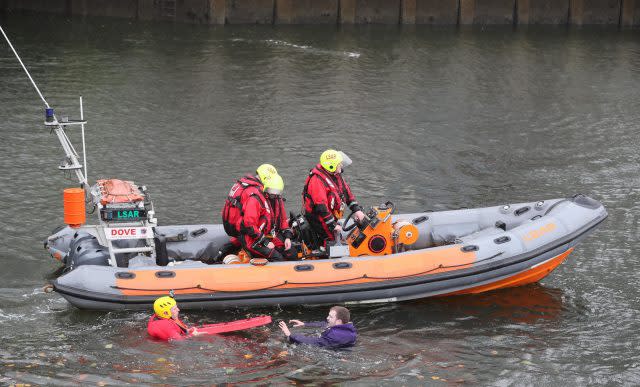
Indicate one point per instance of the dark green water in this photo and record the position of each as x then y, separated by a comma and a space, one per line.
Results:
433, 119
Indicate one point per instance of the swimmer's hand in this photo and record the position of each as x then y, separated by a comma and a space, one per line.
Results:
285, 329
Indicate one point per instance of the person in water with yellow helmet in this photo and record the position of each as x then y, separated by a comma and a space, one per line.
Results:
325, 194
165, 324
255, 218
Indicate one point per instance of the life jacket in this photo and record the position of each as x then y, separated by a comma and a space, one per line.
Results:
258, 220
118, 191
232, 210
336, 191
280, 221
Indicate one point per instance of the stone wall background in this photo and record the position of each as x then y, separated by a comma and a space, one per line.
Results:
625, 13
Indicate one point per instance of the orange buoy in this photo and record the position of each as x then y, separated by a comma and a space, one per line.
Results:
74, 211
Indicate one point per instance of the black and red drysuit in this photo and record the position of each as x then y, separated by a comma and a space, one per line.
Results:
323, 195
263, 219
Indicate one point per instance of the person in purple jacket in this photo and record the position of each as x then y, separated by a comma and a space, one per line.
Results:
339, 332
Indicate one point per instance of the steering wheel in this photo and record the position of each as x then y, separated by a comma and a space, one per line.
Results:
346, 221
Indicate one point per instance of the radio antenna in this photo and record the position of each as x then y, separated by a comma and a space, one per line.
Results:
71, 162
24, 67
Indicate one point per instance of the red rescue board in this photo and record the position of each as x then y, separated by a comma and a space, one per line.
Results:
231, 326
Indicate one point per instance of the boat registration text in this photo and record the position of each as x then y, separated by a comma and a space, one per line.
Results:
128, 232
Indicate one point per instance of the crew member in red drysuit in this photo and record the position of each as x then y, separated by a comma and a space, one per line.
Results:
264, 228
324, 195
255, 219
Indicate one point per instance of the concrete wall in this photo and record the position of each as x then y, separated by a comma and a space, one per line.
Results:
625, 13
630, 13
347, 11
190, 11
196, 11
306, 11
543, 11
250, 11
584, 12
377, 11
50, 6
436, 12
487, 11
369, 11
113, 8
408, 11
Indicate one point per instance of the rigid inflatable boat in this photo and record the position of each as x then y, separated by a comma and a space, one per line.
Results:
126, 260
386, 258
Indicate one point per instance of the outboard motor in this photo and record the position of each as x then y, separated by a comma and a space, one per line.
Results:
86, 250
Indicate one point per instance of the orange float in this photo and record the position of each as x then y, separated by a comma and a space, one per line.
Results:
74, 209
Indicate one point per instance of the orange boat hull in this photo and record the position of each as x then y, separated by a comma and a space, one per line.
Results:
532, 275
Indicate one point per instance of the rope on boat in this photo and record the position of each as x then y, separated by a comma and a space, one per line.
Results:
554, 205
23, 66
202, 288
364, 276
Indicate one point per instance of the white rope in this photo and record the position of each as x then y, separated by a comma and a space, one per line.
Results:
25, 69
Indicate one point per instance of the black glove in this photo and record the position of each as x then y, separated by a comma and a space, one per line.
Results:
355, 207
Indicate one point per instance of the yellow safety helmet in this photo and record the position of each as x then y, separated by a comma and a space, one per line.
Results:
266, 170
274, 185
331, 159
162, 306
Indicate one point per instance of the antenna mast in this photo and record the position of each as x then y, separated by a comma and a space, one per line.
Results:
71, 161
